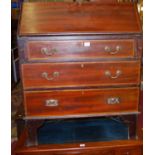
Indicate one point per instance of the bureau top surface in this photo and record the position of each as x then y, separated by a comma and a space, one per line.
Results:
55, 18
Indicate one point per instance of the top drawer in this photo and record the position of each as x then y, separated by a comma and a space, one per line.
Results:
79, 50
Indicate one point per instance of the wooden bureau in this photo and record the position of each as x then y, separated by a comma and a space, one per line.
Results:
79, 61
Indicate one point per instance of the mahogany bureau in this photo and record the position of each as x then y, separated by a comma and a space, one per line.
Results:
79, 61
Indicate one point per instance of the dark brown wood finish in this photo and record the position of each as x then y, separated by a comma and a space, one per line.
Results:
32, 127
26, 56
103, 151
79, 50
68, 72
76, 102
134, 147
67, 18
140, 47
57, 75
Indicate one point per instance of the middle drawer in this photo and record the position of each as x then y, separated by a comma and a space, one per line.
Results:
59, 75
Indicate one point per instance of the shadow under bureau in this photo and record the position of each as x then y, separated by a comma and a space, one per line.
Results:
81, 74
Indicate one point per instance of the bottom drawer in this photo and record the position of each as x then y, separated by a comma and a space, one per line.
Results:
88, 102
86, 152
123, 147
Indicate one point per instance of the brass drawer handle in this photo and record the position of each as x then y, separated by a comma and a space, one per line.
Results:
46, 76
46, 51
109, 50
113, 100
108, 74
51, 103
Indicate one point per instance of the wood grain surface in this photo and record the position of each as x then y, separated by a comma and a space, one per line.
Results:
97, 148
69, 18
79, 50
80, 74
85, 101
80, 87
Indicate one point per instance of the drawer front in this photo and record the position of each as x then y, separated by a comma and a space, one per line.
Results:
80, 74
85, 152
79, 50
91, 152
78, 102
